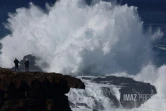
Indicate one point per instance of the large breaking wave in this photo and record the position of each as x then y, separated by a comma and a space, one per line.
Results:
71, 37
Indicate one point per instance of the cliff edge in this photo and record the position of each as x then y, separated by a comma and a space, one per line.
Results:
35, 91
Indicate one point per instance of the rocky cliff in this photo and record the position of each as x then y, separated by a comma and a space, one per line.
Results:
35, 91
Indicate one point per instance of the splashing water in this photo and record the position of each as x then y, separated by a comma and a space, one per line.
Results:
94, 99
73, 38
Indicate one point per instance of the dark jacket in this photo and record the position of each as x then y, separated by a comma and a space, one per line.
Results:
16, 62
26, 63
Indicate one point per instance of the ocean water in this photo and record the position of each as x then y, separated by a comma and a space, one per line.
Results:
89, 38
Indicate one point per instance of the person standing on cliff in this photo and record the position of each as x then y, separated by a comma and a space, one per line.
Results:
16, 62
26, 63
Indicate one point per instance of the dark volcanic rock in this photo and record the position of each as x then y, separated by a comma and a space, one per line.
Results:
132, 93
35, 91
76, 83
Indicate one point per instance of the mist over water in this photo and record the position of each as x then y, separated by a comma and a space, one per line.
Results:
74, 38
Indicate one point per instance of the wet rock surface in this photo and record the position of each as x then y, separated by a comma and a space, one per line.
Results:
35, 91
132, 93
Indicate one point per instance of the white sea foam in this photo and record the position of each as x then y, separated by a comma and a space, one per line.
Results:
93, 95
74, 38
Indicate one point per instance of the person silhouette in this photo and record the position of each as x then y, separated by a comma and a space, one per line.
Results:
26, 63
16, 62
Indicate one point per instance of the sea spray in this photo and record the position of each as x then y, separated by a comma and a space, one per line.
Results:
74, 38
93, 97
